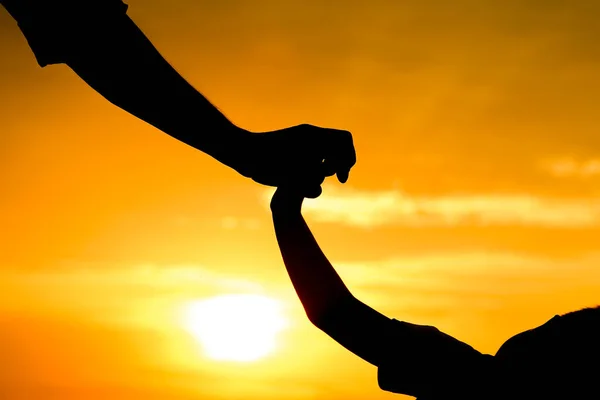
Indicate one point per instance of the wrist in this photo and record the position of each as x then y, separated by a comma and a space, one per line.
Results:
235, 149
285, 210
287, 202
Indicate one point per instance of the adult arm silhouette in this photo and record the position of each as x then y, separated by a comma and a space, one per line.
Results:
412, 359
111, 54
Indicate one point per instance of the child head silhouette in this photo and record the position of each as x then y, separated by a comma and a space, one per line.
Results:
559, 359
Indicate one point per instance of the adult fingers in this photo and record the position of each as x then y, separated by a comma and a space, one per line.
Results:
312, 180
346, 156
312, 192
340, 154
329, 167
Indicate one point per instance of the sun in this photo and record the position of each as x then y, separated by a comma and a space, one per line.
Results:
236, 327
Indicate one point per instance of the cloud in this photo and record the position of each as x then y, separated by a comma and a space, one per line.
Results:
231, 222
423, 271
475, 280
145, 275
144, 295
370, 209
569, 167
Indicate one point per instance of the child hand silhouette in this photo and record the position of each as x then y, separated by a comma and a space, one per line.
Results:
287, 200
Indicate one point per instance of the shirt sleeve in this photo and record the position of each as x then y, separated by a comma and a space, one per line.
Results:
54, 28
426, 363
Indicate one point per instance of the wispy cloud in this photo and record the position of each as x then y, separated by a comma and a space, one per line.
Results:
141, 276
113, 293
423, 271
569, 167
370, 209
231, 222
474, 280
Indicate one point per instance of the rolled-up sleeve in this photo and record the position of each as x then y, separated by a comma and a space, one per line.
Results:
55, 28
425, 362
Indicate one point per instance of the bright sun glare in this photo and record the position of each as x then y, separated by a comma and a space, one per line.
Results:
236, 327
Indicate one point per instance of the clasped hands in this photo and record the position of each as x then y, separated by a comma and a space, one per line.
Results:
298, 158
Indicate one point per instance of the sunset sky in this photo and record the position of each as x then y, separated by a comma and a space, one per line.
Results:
474, 205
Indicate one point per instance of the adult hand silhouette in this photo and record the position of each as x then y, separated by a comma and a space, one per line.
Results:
300, 156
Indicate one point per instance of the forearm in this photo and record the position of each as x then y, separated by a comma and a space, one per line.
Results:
327, 301
316, 282
123, 66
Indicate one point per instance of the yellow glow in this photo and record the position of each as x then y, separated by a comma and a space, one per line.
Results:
236, 327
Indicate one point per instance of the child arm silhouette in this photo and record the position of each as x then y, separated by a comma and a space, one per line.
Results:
328, 303
412, 359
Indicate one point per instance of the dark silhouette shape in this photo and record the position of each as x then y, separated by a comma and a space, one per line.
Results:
558, 360
107, 50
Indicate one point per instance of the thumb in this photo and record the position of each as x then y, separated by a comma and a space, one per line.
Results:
343, 175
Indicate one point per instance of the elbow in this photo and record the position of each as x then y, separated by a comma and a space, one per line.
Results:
325, 318
317, 318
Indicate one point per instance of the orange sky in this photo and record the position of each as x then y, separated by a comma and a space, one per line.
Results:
474, 205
